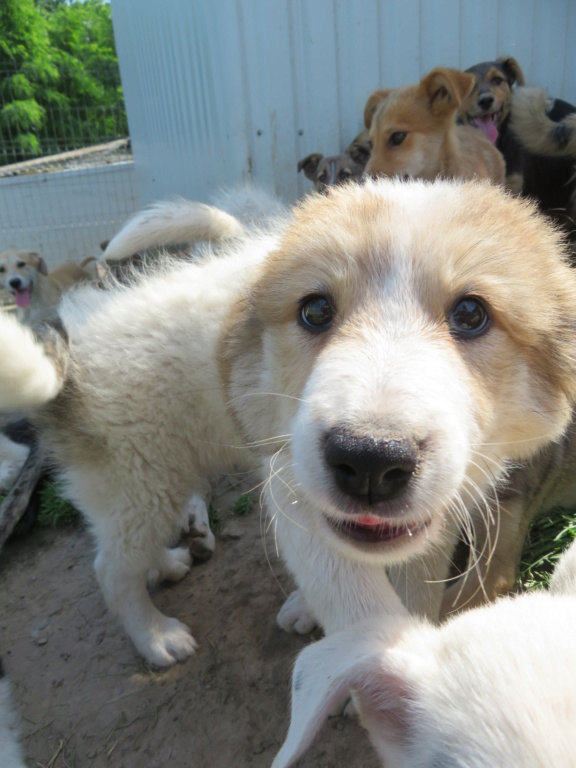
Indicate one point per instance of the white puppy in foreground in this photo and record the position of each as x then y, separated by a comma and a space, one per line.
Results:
381, 355
492, 688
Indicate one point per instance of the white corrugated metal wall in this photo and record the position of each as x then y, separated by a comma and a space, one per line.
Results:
220, 91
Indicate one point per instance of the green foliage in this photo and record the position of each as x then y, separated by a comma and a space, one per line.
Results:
243, 505
548, 538
55, 510
59, 80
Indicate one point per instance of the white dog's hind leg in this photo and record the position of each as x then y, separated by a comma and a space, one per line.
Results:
294, 616
196, 511
12, 458
161, 640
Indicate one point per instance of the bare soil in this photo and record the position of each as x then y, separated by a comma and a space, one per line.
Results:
87, 699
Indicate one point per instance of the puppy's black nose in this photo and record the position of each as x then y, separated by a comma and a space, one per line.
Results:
485, 101
369, 469
15, 282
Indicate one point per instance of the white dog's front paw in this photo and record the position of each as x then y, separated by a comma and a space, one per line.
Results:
294, 615
166, 643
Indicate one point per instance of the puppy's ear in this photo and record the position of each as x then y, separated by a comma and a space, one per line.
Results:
310, 165
38, 262
446, 89
360, 152
513, 70
356, 659
374, 101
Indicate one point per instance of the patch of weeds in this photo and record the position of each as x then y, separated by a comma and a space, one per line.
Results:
243, 505
54, 510
547, 540
214, 518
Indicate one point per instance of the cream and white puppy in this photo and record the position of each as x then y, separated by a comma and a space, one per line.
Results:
492, 687
382, 356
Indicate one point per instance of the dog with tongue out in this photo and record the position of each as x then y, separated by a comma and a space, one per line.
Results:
488, 108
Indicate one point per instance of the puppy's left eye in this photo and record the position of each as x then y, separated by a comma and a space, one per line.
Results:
316, 314
397, 138
344, 175
21, 264
469, 317
323, 176
497, 80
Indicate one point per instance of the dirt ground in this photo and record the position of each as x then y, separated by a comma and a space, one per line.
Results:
87, 700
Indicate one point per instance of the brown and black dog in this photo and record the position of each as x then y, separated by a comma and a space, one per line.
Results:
537, 151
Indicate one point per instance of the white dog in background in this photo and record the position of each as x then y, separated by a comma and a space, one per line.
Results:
492, 687
381, 355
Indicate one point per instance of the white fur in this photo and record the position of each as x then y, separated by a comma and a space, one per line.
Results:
10, 751
492, 687
27, 376
12, 458
168, 223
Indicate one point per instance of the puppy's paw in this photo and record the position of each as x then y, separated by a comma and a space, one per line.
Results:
175, 565
294, 615
166, 643
203, 543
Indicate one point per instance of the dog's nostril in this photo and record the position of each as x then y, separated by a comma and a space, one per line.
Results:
374, 470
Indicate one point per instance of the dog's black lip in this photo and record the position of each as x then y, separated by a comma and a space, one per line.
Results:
388, 530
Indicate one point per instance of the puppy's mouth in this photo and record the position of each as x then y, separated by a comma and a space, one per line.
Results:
488, 124
370, 529
22, 297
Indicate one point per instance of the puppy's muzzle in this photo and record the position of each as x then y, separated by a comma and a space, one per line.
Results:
17, 283
368, 469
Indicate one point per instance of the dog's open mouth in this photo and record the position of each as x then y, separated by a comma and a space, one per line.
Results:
23, 297
370, 529
488, 124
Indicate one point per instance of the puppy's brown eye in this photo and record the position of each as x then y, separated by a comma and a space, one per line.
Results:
469, 317
345, 175
316, 314
322, 176
2, 269
397, 138
21, 264
497, 80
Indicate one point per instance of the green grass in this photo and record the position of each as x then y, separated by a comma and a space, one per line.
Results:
54, 510
243, 505
548, 538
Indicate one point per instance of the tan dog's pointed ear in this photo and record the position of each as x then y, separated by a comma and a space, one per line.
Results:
38, 262
310, 164
446, 89
374, 101
513, 70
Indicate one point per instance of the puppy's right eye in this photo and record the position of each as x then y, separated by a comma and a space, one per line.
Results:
21, 264
322, 176
397, 138
2, 269
316, 314
496, 80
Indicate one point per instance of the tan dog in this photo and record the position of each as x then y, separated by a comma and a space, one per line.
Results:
36, 292
328, 171
414, 133
382, 355
492, 687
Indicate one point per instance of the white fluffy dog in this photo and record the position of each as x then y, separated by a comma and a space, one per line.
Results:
382, 355
492, 687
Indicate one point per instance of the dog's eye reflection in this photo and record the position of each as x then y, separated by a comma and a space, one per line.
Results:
469, 317
316, 313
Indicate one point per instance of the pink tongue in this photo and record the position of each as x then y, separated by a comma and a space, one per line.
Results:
488, 126
22, 298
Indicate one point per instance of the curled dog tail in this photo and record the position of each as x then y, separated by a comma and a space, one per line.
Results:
172, 223
535, 130
33, 369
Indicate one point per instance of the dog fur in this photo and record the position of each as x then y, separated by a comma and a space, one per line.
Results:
25, 275
387, 324
414, 132
487, 107
10, 751
491, 687
328, 171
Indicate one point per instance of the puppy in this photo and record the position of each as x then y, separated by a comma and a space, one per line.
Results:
10, 751
487, 107
492, 687
376, 354
326, 172
414, 132
546, 131
25, 275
